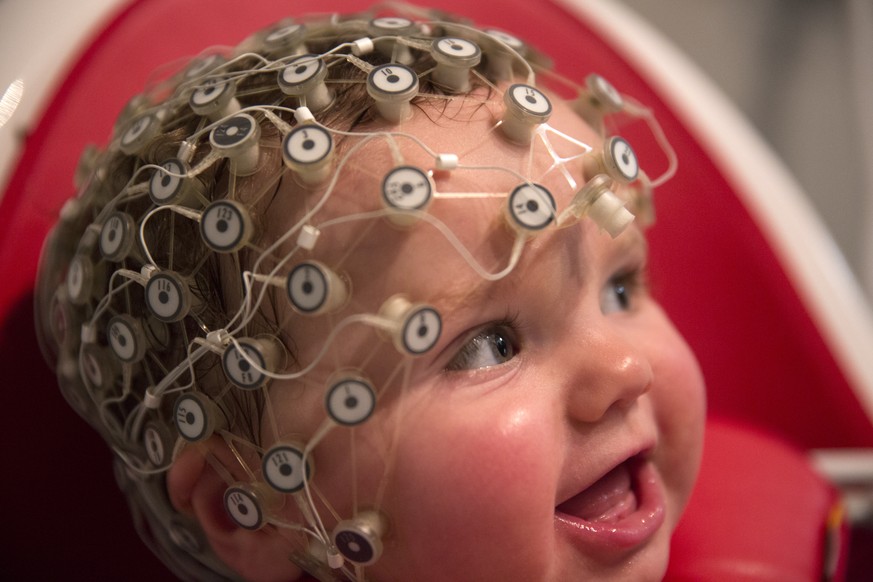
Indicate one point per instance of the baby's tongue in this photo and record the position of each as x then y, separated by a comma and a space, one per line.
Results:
608, 500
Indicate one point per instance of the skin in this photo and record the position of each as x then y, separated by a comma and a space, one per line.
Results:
470, 457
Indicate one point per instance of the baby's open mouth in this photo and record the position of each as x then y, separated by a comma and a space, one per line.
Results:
608, 500
621, 510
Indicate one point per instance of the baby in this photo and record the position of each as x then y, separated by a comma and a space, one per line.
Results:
365, 298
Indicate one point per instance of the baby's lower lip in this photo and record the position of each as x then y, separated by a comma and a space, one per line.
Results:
630, 529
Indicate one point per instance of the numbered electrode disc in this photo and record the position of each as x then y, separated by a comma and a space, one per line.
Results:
458, 52
213, 95
531, 206
117, 236
140, 131
240, 370
158, 444
529, 102
203, 65
167, 296
602, 90
505, 38
392, 25
350, 401
306, 145
191, 416
301, 73
421, 330
243, 508
237, 132
284, 469
621, 160
392, 81
126, 338
167, 184
309, 288
288, 36
97, 370
225, 226
407, 188
80, 278
357, 541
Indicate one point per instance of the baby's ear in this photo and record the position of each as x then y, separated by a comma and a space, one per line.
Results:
196, 489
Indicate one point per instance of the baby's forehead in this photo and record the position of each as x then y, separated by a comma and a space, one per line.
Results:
379, 166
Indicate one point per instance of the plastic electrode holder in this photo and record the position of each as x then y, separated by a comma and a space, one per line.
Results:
170, 184
214, 98
99, 369
117, 236
313, 288
604, 94
237, 139
248, 504
203, 65
597, 201
501, 52
599, 99
127, 338
350, 399
238, 358
406, 189
168, 296
308, 151
393, 86
393, 26
525, 108
139, 132
609, 213
158, 443
617, 159
226, 226
287, 37
530, 207
80, 280
304, 77
359, 539
415, 328
284, 468
455, 57
196, 416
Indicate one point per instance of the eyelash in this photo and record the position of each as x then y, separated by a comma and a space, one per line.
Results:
628, 285
504, 331
632, 284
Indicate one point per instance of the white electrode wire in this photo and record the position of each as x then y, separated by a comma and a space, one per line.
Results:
638, 109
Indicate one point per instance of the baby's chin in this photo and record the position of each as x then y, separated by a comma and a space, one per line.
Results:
647, 564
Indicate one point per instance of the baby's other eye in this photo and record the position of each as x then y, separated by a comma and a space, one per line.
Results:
495, 344
621, 292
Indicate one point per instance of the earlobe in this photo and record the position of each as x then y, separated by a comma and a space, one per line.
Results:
196, 489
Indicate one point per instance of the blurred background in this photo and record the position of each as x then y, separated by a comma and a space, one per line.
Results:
802, 72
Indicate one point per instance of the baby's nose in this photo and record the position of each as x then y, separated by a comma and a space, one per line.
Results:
614, 371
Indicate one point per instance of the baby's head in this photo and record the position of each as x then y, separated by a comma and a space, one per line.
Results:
365, 298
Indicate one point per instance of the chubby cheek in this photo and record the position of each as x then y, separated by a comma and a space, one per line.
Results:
680, 407
472, 496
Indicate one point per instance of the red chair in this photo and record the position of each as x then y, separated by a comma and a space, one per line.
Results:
740, 263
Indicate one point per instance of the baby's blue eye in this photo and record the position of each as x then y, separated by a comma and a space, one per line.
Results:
494, 345
619, 293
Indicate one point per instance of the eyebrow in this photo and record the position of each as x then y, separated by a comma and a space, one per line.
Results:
459, 294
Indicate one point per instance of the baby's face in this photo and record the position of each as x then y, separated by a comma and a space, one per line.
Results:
553, 432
